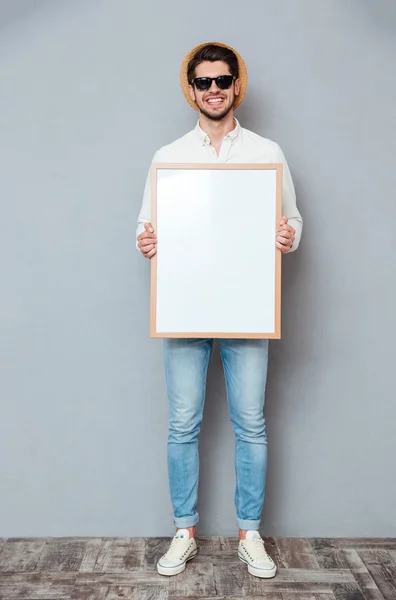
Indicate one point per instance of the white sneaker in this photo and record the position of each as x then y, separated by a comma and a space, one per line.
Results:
182, 549
252, 552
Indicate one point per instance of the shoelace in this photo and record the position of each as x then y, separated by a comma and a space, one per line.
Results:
257, 547
176, 546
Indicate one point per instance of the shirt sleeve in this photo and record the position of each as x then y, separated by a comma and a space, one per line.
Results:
289, 204
145, 211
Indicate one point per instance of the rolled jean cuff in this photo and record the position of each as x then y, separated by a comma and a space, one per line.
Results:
247, 525
184, 522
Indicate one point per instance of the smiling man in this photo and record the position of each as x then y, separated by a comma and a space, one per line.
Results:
214, 82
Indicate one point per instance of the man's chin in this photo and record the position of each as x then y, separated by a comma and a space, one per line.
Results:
216, 116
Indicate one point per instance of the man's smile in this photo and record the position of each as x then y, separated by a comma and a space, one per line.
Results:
215, 100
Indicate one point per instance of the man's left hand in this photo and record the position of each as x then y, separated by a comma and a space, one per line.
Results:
285, 235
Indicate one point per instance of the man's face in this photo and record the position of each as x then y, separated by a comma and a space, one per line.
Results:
214, 103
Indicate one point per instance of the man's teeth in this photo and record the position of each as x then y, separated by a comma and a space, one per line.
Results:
215, 101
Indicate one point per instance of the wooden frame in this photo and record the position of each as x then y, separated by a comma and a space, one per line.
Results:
276, 334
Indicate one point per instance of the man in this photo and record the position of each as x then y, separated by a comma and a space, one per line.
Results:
214, 81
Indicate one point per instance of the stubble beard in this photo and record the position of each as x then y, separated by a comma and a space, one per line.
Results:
216, 117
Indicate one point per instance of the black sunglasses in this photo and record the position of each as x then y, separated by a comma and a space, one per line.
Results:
223, 82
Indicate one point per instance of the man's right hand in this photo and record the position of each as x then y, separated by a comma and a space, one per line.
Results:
147, 241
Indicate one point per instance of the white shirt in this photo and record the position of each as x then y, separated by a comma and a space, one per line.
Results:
239, 146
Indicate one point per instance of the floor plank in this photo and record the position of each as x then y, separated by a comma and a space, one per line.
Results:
329, 555
117, 556
362, 576
21, 556
86, 592
207, 545
62, 556
91, 554
197, 580
384, 576
392, 556
265, 596
136, 577
36, 586
387, 543
297, 553
374, 556
120, 592
307, 596
347, 591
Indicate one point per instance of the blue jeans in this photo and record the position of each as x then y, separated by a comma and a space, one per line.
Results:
245, 367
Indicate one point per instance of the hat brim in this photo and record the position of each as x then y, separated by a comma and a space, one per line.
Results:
243, 76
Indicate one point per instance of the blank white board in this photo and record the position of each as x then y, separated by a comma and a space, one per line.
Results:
216, 273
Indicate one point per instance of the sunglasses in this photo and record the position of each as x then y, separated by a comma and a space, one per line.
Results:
223, 82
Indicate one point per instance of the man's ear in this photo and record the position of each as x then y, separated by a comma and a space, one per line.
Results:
237, 87
192, 93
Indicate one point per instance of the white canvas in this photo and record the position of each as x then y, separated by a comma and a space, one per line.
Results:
215, 269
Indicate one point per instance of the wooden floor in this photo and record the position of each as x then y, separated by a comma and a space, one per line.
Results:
113, 568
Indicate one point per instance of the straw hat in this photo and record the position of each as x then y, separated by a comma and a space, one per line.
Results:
241, 67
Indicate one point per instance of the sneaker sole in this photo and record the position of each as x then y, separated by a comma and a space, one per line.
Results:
169, 571
263, 574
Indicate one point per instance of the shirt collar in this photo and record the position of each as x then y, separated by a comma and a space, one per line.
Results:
232, 136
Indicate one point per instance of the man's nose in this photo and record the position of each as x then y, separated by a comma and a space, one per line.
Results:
214, 87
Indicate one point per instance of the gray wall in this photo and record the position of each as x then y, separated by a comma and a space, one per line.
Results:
89, 90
